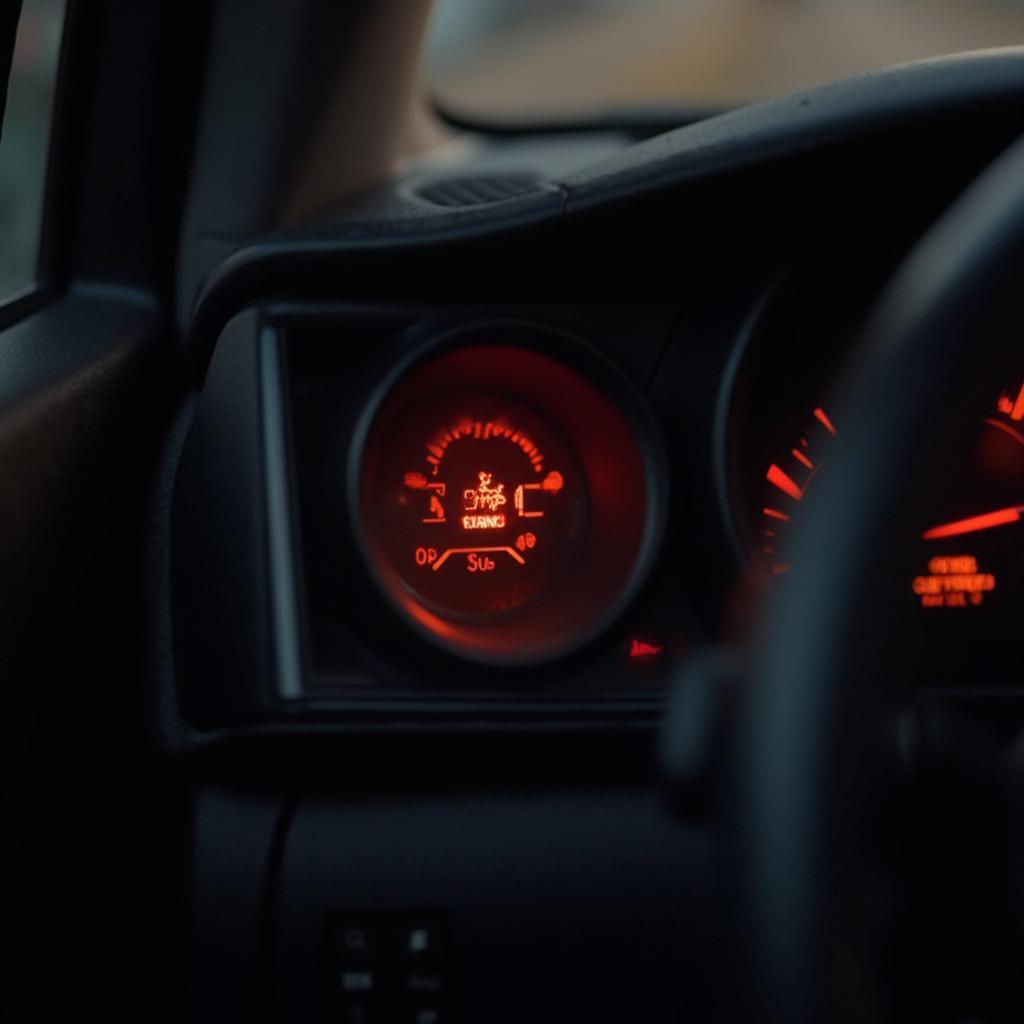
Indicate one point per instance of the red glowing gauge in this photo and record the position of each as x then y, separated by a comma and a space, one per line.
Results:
485, 506
969, 550
787, 481
507, 506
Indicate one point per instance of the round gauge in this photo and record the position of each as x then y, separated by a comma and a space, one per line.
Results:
490, 507
968, 558
506, 505
961, 580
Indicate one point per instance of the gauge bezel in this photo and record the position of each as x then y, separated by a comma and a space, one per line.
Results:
794, 307
547, 630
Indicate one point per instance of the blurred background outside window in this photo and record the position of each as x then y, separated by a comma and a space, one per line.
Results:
539, 60
549, 59
24, 143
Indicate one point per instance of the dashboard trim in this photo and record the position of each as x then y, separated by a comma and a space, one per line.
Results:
282, 563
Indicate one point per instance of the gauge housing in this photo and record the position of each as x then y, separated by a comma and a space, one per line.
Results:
565, 544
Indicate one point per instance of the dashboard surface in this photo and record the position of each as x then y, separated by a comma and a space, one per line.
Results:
694, 300
463, 490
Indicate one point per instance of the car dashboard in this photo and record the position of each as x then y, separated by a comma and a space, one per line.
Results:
472, 467
482, 455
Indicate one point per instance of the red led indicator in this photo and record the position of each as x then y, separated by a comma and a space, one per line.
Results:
642, 650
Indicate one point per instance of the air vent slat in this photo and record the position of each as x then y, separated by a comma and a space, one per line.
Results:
479, 190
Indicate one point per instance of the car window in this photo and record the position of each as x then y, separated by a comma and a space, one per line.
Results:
24, 143
522, 59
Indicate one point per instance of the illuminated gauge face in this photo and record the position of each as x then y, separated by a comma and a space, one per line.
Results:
785, 483
969, 560
506, 506
482, 504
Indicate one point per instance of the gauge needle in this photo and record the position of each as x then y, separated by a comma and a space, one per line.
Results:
987, 521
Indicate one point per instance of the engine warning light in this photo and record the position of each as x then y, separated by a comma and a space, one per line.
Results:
485, 499
953, 581
484, 496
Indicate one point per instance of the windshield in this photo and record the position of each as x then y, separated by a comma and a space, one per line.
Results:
549, 59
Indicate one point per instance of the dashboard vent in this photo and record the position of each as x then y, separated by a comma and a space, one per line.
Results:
479, 190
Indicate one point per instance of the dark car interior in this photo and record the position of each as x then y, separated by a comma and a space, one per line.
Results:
420, 600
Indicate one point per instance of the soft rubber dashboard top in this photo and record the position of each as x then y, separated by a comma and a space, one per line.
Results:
740, 171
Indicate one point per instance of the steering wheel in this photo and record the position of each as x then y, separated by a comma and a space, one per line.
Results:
871, 854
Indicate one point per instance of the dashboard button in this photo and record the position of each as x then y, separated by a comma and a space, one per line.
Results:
423, 940
428, 1015
353, 940
359, 1013
425, 983
357, 981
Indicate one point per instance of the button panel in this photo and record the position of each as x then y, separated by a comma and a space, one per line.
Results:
389, 967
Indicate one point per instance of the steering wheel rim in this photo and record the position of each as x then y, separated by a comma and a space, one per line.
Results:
827, 651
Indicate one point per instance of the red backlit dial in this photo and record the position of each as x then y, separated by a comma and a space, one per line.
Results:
506, 506
482, 504
788, 480
968, 552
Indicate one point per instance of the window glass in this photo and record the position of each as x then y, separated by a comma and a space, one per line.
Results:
544, 59
25, 142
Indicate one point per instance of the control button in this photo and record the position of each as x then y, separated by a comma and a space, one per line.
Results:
389, 967
353, 940
357, 981
357, 1013
425, 984
424, 940
427, 1015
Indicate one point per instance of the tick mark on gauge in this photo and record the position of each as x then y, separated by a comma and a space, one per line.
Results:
822, 418
802, 459
784, 482
1017, 413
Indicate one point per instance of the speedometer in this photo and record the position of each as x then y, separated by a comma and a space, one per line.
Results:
959, 578
508, 504
969, 556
